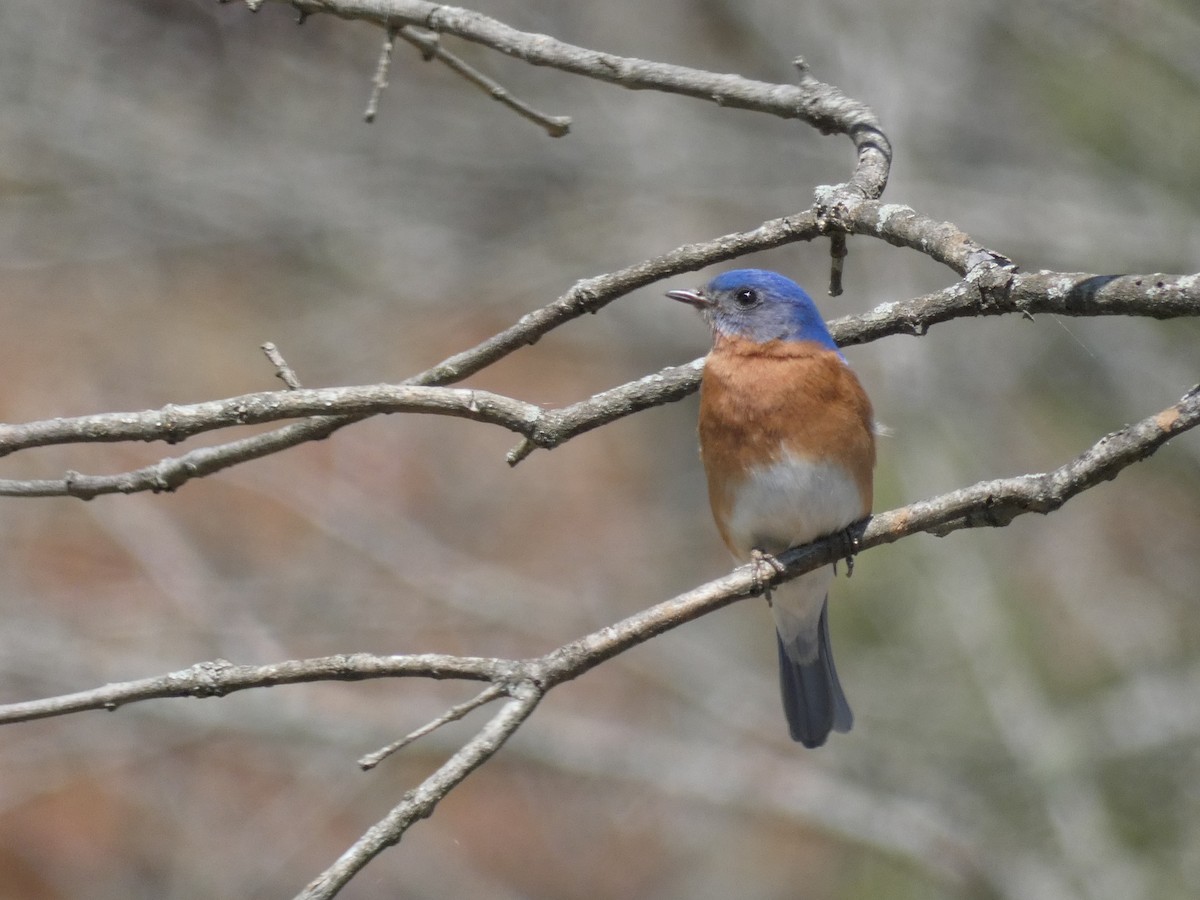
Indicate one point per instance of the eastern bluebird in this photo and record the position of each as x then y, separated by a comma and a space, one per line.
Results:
788, 444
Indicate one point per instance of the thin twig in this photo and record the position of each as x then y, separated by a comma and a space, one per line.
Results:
453, 714
283, 371
420, 803
379, 82
431, 48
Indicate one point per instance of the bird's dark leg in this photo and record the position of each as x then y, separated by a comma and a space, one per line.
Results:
760, 559
849, 547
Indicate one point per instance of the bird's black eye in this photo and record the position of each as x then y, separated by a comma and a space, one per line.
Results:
746, 297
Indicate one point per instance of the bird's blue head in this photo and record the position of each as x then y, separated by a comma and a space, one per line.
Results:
760, 306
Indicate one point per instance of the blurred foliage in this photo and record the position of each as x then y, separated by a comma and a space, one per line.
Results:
181, 180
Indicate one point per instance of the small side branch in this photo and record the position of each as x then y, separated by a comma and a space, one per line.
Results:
420, 803
431, 48
175, 471
283, 371
379, 82
453, 714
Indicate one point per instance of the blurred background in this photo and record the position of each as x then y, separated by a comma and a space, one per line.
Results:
181, 181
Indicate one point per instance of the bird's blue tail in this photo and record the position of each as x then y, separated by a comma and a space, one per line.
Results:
812, 695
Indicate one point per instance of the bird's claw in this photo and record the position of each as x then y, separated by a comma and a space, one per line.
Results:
761, 561
850, 548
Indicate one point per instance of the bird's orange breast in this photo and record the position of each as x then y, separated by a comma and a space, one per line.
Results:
760, 403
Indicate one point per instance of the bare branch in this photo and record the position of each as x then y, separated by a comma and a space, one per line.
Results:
173, 472
902, 226
556, 426
998, 291
593, 294
820, 105
994, 504
1069, 294
586, 296
985, 504
174, 423
990, 287
221, 677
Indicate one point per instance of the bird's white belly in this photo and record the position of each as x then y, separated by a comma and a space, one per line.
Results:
782, 505
791, 502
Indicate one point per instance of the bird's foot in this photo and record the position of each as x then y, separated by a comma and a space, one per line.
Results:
850, 548
765, 567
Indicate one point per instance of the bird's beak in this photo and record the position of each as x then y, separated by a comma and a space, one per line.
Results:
695, 298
